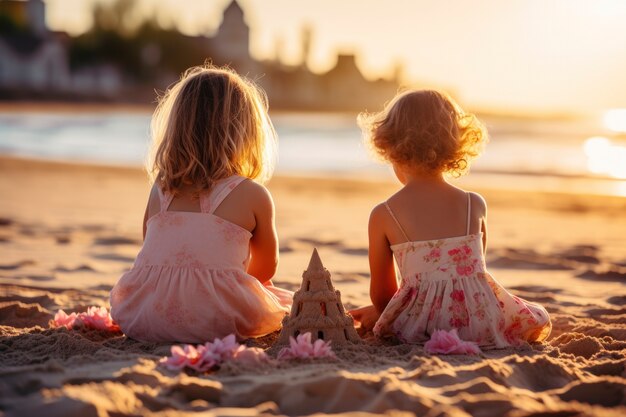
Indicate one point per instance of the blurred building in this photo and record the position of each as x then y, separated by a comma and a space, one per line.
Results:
34, 61
231, 43
295, 87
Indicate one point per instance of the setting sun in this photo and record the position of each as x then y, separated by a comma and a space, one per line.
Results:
604, 157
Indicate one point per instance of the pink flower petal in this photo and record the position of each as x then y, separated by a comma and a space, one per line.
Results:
302, 348
177, 361
448, 342
62, 319
206, 357
95, 318
250, 356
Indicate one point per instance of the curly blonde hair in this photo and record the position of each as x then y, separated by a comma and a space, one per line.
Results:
425, 129
209, 125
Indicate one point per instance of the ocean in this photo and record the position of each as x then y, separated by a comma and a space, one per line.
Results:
577, 155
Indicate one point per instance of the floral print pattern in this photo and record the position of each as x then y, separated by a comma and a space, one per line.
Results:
445, 286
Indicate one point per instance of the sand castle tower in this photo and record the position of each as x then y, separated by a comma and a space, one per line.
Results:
317, 309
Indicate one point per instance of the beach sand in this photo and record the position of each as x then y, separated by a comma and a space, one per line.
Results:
67, 232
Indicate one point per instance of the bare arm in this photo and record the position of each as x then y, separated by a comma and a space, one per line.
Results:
483, 228
479, 206
383, 284
145, 220
264, 242
152, 207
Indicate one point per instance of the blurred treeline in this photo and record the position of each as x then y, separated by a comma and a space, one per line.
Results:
139, 46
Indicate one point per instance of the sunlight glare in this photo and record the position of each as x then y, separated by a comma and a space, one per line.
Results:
604, 157
616, 120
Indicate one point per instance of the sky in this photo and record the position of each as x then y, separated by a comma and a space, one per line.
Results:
526, 55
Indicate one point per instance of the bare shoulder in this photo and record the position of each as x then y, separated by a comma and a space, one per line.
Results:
256, 194
378, 214
479, 205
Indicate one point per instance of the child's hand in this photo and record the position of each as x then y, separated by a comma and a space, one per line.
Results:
367, 316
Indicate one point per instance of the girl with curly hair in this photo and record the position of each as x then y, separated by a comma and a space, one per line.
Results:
437, 233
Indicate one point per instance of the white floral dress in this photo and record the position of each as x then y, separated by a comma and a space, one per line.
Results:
445, 285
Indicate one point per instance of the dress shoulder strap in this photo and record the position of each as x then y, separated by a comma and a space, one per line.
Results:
209, 202
165, 199
397, 222
469, 212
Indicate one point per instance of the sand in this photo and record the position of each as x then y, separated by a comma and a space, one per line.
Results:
67, 232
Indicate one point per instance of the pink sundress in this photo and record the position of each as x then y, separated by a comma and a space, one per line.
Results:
189, 282
445, 285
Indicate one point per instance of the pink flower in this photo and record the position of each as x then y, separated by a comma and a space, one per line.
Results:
433, 255
448, 342
206, 357
95, 318
250, 356
98, 318
218, 351
62, 319
223, 348
465, 270
181, 357
302, 348
458, 295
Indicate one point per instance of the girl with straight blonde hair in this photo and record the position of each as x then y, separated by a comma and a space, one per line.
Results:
210, 244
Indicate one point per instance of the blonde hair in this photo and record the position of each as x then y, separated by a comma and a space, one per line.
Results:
425, 129
209, 125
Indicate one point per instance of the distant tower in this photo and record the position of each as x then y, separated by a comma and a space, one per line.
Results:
232, 41
307, 34
37, 16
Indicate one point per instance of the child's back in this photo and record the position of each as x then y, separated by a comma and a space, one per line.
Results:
210, 245
437, 234
189, 282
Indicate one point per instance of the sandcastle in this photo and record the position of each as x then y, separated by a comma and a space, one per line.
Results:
317, 308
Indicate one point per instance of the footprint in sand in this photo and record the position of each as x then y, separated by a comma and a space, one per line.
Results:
79, 268
318, 242
115, 240
618, 300
511, 258
604, 393
612, 273
41, 278
581, 253
354, 251
16, 265
62, 240
4, 222
113, 257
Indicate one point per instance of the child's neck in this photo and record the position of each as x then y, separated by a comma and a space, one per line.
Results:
421, 177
